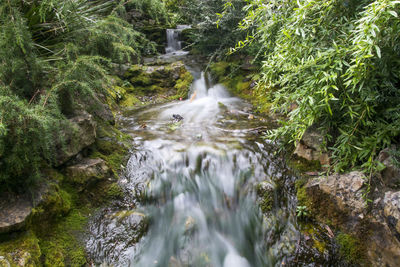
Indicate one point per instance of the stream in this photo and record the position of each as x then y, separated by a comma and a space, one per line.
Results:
191, 191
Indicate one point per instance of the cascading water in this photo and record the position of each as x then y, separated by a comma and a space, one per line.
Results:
191, 191
173, 43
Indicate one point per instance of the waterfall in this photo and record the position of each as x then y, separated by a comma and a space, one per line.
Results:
173, 43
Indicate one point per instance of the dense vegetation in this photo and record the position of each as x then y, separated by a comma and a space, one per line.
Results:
55, 55
331, 64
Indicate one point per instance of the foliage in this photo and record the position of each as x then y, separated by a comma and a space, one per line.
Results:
302, 211
334, 64
215, 21
61, 52
155, 9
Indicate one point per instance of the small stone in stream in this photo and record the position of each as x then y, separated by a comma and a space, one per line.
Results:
177, 117
143, 126
199, 136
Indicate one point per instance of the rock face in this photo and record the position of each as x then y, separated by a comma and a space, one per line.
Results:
88, 171
391, 173
344, 190
16, 211
309, 147
339, 198
78, 133
169, 81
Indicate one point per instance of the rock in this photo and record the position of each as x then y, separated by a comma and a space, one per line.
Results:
391, 173
344, 190
21, 249
78, 133
339, 199
177, 117
87, 172
15, 210
391, 211
309, 147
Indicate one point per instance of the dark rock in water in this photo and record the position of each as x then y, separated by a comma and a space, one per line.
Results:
177, 117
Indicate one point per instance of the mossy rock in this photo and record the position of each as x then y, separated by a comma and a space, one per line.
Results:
55, 204
129, 100
301, 165
351, 248
21, 249
301, 193
265, 192
182, 85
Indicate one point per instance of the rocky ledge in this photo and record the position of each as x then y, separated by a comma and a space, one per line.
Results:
341, 200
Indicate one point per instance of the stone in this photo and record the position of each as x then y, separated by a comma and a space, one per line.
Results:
88, 171
391, 173
310, 145
339, 198
15, 210
344, 189
391, 211
78, 133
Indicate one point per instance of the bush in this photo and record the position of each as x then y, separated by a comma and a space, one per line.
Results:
334, 64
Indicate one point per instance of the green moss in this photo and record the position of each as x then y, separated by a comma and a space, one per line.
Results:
350, 248
56, 203
21, 249
302, 197
221, 69
302, 165
266, 198
141, 80
114, 191
182, 85
129, 100
60, 244
133, 71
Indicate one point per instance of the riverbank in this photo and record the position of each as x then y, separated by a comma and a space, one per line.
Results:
46, 225
352, 208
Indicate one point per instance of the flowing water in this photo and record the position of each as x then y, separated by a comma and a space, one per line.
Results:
191, 191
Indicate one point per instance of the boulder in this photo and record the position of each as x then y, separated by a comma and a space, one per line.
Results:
310, 145
78, 133
339, 199
16, 211
391, 211
391, 173
344, 190
88, 171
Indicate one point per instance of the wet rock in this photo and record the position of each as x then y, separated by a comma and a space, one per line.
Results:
78, 133
309, 147
391, 173
177, 117
345, 190
88, 171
